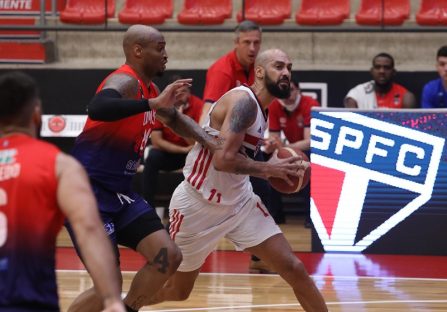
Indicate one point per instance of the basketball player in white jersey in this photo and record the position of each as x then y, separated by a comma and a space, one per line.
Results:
216, 198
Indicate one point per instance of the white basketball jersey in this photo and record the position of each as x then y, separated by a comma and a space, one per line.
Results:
222, 187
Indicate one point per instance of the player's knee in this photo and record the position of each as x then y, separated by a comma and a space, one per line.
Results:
174, 258
293, 268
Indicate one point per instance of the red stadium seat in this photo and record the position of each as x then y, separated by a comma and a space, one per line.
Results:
322, 12
383, 12
19, 21
432, 13
20, 51
205, 12
87, 11
266, 12
146, 11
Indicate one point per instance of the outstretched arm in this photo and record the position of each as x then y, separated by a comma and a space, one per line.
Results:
117, 100
239, 117
77, 202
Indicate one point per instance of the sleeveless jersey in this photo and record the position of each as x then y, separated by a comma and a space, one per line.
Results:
29, 223
111, 151
223, 187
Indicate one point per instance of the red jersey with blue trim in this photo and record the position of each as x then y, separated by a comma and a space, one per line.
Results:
29, 223
111, 150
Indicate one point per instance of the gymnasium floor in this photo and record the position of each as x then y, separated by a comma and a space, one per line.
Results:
349, 282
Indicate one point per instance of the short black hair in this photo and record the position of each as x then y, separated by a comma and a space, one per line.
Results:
247, 25
17, 92
442, 51
386, 55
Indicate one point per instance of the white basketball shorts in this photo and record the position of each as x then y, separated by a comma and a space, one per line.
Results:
196, 226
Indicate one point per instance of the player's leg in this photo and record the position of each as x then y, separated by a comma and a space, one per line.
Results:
259, 235
177, 288
277, 253
147, 236
88, 301
196, 227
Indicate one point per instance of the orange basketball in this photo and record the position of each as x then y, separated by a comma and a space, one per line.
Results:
298, 182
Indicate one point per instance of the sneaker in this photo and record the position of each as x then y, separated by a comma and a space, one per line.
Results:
259, 267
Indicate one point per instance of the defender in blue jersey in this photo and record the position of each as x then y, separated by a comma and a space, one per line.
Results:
434, 94
120, 119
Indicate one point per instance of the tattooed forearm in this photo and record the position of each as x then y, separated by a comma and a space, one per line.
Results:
186, 127
243, 114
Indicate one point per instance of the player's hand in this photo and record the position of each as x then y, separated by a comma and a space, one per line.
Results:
171, 94
271, 144
284, 168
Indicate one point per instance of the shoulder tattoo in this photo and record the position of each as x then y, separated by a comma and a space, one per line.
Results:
243, 114
126, 85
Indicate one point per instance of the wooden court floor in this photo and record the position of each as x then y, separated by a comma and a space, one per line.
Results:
349, 282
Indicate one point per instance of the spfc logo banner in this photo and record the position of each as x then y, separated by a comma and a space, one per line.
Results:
372, 171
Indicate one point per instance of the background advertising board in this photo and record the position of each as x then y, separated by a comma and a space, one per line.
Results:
379, 181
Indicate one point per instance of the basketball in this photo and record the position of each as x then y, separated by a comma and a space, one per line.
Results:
298, 182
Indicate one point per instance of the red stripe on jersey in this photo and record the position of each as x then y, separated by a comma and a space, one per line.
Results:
250, 139
201, 166
193, 172
175, 223
265, 213
208, 162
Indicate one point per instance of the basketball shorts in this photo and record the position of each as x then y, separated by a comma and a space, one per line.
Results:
127, 217
197, 226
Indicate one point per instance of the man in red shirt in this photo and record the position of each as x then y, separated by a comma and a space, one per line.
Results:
39, 187
234, 68
292, 117
168, 150
381, 92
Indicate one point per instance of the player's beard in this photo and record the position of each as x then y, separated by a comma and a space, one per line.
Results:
275, 89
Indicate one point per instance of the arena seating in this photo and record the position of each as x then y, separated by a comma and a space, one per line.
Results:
322, 12
23, 51
383, 12
432, 13
145, 12
205, 12
266, 12
87, 11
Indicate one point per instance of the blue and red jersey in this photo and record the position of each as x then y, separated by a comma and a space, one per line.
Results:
111, 151
29, 223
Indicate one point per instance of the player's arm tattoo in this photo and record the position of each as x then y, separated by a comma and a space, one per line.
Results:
126, 85
186, 127
243, 114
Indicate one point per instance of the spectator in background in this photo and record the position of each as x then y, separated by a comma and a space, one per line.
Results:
434, 94
168, 150
234, 68
41, 187
231, 70
382, 91
291, 116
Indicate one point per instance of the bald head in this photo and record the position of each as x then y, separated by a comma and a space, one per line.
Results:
141, 35
270, 55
